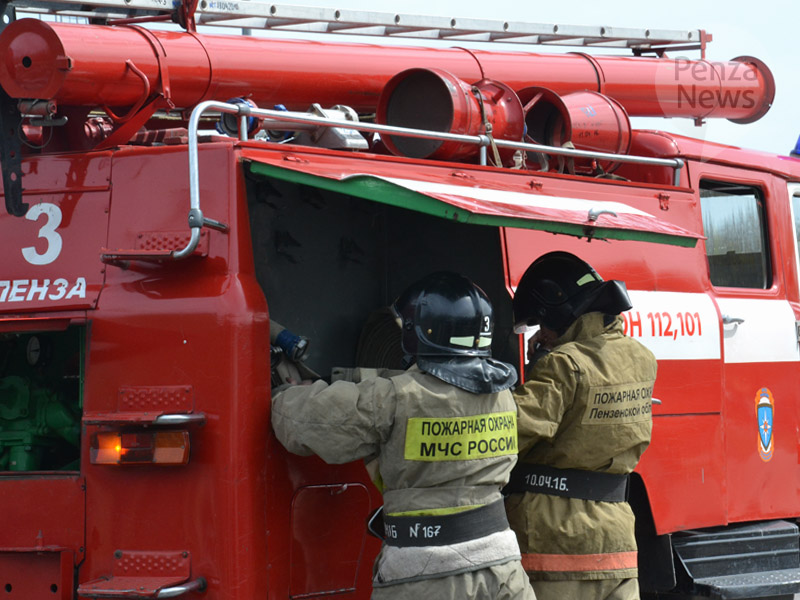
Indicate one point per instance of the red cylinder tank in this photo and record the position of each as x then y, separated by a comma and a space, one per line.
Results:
590, 120
436, 100
93, 65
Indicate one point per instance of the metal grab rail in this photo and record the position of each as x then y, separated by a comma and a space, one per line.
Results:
198, 584
243, 111
196, 219
180, 419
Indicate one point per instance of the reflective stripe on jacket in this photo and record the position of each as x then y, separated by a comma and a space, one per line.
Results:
439, 450
587, 405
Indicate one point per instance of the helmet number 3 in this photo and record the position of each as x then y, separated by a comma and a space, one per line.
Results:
487, 324
47, 231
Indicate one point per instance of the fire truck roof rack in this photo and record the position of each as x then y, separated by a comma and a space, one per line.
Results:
252, 14
197, 220
242, 111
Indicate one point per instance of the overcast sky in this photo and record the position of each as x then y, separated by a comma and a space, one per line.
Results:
766, 29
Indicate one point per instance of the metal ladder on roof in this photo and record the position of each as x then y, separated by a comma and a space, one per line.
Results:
254, 14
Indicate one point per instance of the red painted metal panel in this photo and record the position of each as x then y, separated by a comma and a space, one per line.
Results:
328, 523
317, 539
688, 387
201, 321
35, 323
760, 353
68, 174
758, 488
684, 472
42, 512
641, 265
36, 575
52, 259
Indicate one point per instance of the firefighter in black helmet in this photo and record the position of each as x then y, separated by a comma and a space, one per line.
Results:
584, 422
447, 324
559, 287
443, 437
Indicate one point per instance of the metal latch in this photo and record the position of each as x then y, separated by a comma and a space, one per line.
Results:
594, 213
728, 320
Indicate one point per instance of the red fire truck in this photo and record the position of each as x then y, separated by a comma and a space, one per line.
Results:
138, 350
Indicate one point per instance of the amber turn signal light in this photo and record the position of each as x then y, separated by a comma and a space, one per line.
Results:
139, 448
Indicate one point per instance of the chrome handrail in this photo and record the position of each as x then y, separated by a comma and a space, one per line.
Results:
198, 584
197, 220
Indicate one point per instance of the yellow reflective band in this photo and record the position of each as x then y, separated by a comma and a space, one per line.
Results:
585, 279
484, 341
433, 512
465, 341
374, 471
461, 438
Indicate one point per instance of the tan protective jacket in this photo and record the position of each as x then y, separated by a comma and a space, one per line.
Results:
439, 450
586, 405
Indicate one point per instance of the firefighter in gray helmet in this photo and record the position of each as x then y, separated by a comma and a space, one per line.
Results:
584, 422
443, 437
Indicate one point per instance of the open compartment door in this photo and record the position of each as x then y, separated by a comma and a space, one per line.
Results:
467, 198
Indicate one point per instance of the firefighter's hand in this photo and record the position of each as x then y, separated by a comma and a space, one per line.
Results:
543, 339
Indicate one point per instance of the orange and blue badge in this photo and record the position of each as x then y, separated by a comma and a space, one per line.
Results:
765, 409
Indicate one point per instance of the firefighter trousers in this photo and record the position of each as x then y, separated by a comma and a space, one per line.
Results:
582, 589
499, 582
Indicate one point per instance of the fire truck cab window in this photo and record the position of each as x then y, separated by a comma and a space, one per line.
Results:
734, 223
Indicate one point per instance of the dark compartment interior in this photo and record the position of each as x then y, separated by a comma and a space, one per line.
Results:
327, 261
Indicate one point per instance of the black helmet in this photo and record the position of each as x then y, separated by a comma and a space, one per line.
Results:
445, 314
559, 287
447, 324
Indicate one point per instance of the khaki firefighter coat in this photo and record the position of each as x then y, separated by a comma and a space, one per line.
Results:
439, 450
586, 405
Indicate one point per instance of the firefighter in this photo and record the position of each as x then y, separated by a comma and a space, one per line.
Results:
584, 422
443, 437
